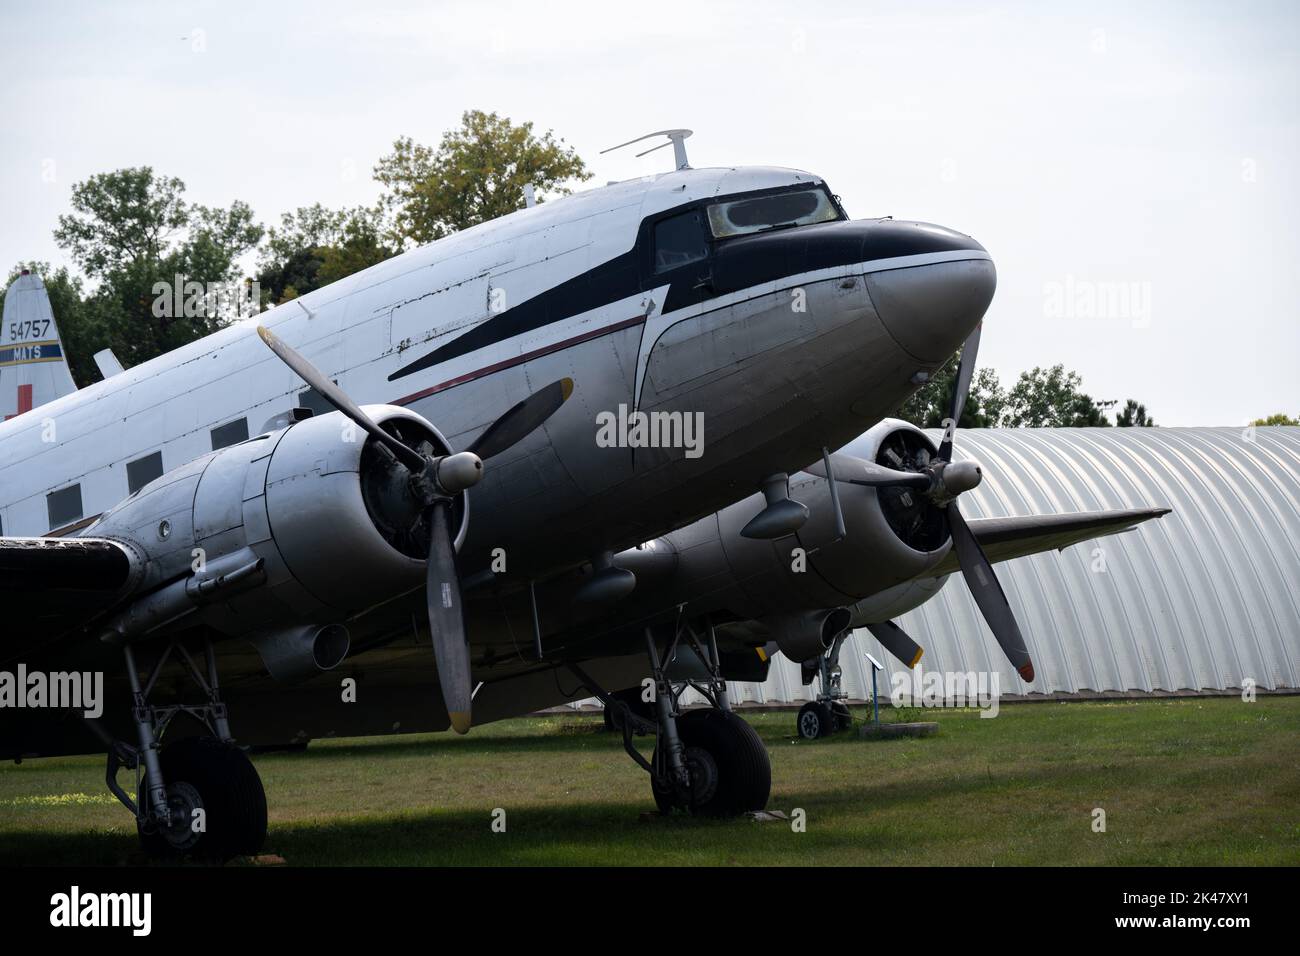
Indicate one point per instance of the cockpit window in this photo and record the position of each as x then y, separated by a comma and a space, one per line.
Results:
800, 208
680, 240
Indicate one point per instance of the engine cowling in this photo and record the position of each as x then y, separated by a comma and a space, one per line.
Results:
789, 587
304, 525
892, 534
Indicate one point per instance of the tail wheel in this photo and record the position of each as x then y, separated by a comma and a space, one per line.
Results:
217, 802
729, 766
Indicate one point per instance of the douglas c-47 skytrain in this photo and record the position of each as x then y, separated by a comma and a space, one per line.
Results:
395, 483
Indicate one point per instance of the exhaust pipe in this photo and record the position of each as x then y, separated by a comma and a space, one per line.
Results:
297, 653
804, 635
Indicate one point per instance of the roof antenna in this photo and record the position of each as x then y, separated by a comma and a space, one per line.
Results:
677, 137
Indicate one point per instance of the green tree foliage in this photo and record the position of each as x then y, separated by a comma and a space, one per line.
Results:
1134, 414
314, 246
131, 230
1279, 419
1041, 398
1052, 398
477, 173
123, 217
930, 404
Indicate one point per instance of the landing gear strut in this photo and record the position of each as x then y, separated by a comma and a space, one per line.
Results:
829, 713
199, 796
708, 762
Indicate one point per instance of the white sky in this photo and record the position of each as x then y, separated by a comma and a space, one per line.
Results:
1088, 142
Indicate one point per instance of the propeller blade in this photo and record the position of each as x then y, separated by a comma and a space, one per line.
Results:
521, 420
310, 374
988, 594
859, 471
965, 369
446, 618
895, 640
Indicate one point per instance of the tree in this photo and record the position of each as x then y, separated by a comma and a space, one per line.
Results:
314, 246
132, 232
1134, 414
1052, 398
477, 173
122, 217
1279, 419
929, 405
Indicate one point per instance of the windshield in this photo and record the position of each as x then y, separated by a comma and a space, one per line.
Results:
742, 216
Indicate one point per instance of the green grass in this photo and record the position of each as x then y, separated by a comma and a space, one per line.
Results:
1190, 781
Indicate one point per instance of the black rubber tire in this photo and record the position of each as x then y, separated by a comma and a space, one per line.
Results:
744, 769
814, 720
233, 800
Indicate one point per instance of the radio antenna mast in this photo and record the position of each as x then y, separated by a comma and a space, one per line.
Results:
676, 138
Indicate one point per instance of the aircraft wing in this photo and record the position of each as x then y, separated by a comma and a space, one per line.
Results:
1005, 538
50, 586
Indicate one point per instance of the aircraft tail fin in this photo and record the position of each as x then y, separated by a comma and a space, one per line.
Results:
33, 367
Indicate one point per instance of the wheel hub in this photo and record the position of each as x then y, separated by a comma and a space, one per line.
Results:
703, 771
182, 801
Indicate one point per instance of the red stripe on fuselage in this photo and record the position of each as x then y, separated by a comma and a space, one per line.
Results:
519, 360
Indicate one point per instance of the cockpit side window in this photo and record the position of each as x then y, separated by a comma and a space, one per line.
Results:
680, 240
756, 214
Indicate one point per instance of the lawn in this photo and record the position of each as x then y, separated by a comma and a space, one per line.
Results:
1182, 781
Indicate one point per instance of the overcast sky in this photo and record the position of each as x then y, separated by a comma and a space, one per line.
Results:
1131, 167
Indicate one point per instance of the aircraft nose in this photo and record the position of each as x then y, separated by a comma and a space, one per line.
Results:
929, 308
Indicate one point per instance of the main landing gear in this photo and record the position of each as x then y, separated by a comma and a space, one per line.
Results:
829, 713
707, 762
198, 797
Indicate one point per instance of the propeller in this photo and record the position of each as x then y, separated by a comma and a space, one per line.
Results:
521, 420
942, 480
895, 640
435, 481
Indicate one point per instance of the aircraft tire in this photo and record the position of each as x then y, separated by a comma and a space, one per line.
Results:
843, 717
744, 771
218, 777
815, 720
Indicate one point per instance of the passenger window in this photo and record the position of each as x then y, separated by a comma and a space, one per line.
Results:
64, 506
680, 240
231, 433
142, 471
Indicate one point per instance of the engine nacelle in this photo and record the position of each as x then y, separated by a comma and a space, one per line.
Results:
892, 536
307, 524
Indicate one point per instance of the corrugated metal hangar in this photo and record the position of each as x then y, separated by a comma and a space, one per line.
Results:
1201, 599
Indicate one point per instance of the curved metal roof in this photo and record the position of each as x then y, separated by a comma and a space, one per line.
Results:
1203, 598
